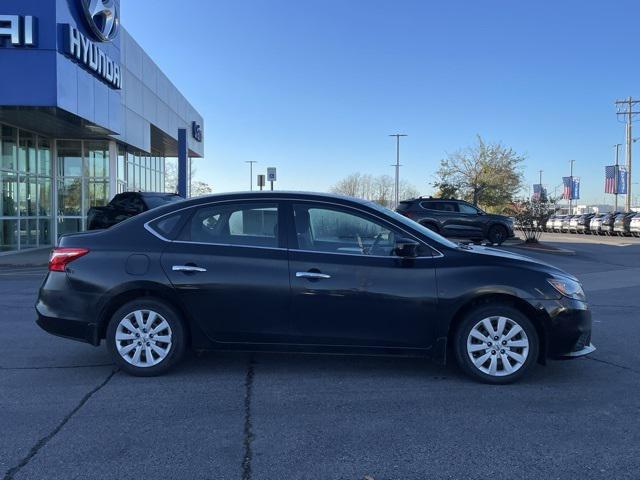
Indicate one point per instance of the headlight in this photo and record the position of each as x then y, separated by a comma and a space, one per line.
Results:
568, 287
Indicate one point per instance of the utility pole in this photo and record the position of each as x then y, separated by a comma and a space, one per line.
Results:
625, 108
397, 165
571, 188
617, 147
250, 162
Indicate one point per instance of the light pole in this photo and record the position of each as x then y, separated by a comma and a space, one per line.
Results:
397, 165
251, 162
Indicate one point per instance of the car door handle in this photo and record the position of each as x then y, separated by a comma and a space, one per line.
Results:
187, 268
315, 275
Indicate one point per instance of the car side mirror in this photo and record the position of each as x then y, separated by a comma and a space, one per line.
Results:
407, 248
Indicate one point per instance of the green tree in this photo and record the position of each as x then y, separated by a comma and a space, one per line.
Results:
485, 174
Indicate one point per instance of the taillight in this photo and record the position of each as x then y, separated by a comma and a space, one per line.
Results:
60, 257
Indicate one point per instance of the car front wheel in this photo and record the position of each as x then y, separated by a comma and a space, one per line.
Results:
146, 337
497, 234
496, 344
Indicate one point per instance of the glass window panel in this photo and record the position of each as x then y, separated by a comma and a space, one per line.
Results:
69, 158
131, 178
121, 163
336, 231
239, 224
98, 194
8, 235
44, 232
70, 196
28, 195
9, 198
44, 157
8, 147
69, 225
27, 152
44, 197
97, 155
28, 233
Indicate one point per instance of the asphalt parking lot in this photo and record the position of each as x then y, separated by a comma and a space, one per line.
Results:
66, 413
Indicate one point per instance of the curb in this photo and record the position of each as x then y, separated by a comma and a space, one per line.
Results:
552, 251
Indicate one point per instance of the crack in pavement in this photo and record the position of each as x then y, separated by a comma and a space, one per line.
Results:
248, 427
57, 367
612, 364
10, 474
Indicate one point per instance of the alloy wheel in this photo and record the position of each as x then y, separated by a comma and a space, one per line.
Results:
498, 346
143, 338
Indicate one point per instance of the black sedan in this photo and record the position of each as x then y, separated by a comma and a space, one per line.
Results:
310, 272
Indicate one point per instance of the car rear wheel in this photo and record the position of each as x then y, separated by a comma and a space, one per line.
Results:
496, 344
497, 234
146, 337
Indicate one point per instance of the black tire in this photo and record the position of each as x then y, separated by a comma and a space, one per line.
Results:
178, 336
471, 319
497, 234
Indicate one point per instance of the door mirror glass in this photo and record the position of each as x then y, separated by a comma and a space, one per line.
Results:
407, 248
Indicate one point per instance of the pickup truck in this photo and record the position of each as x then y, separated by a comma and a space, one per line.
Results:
126, 205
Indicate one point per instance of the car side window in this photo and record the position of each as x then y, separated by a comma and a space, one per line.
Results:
332, 230
248, 224
467, 209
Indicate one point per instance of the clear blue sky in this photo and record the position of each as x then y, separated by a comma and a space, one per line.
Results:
315, 87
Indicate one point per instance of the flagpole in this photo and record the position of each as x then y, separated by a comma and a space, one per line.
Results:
571, 187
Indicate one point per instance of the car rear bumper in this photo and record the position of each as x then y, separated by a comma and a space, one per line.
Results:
73, 329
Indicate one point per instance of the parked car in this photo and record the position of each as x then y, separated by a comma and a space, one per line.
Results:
634, 225
557, 223
572, 222
548, 225
125, 205
622, 224
608, 220
312, 272
457, 218
595, 225
583, 222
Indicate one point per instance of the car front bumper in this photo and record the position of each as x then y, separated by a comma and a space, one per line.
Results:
568, 328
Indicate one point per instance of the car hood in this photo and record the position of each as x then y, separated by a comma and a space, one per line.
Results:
516, 259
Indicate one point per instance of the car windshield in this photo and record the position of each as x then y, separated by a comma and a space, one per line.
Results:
413, 225
160, 200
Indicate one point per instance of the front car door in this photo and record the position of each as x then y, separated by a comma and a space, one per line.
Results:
470, 221
349, 288
229, 265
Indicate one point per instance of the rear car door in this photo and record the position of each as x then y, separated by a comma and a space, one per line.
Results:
229, 266
347, 285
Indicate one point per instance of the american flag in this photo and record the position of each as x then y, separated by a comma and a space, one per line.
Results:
568, 186
537, 191
610, 179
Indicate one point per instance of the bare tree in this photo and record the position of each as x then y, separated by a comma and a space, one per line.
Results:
198, 187
378, 189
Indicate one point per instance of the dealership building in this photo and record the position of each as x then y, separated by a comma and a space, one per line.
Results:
84, 114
